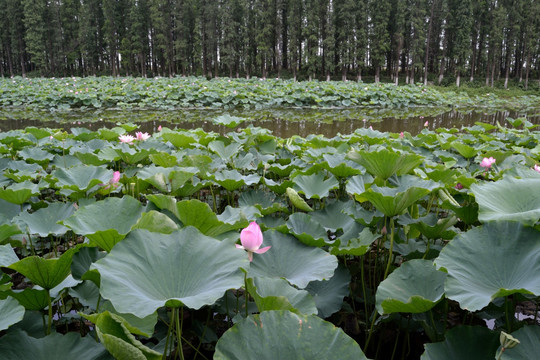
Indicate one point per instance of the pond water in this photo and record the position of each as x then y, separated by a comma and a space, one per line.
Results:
282, 122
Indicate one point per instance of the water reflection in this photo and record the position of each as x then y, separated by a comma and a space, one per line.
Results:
282, 122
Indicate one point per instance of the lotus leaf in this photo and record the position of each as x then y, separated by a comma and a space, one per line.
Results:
156, 222
12, 312
491, 261
278, 294
223, 151
82, 177
415, 287
7, 255
329, 294
356, 185
18, 345
356, 241
46, 273
149, 270
292, 260
466, 343
232, 180
385, 163
286, 336
19, 193
315, 186
106, 222
45, 221
297, 201
31, 299
509, 199
115, 334
393, 201
307, 230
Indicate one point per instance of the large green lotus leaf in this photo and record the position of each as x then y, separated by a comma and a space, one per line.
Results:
232, 180
140, 326
81, 177
106, 222
355, 241
19, 193
164, 159
339, 166
527, 349
464, 150
333, 216
307, 230
167, 179
156, 222
278, 294
81, 262
286, 336
415, 287
17, 345
36, 155
46, 273
315, 185
179, 140
290, 259
31, 299
265, 201
224, 152
200, 215
392, 201
114, 333
464, 343
385, 163
228, 120
329, 294
509, 199
149, 270
12, 312
128, 154
45, 220
491, 261
7, 255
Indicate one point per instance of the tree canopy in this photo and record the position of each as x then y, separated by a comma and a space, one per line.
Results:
440, 41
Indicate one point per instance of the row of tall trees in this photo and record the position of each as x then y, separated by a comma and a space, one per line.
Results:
406, 40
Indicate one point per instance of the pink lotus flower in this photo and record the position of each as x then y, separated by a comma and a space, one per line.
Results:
536, 168
142, 136
487, 162
251, 239
426, 124
459, 186
128, 139
113, 183
401, 135
159, 128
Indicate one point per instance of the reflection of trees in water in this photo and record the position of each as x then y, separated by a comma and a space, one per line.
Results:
282, 123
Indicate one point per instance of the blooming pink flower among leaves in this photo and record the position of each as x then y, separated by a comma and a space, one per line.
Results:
487, 162
426, 124
142, 136
401, 135
536, 168
128, 139
251, 239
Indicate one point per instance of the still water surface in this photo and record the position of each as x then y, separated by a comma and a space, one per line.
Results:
282, 122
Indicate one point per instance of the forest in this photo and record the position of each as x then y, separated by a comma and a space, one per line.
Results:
403, 41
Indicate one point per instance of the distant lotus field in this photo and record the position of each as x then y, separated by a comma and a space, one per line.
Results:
194, 245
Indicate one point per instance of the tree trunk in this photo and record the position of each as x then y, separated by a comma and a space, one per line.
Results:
428, 40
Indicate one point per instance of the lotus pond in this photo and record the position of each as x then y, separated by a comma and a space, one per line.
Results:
115, 243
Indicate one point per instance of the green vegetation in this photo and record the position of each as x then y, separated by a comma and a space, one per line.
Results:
407, 41
118, 243
196, 92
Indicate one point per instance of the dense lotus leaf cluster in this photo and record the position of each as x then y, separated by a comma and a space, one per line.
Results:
197, 92
385, 236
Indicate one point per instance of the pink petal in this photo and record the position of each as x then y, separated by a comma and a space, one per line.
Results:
251, 237
239, 246
263, 250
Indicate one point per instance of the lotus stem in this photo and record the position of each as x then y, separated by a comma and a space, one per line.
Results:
49, 323
390, 250
395, 346
168, 334
197, 352
363, 285
246, 294
179, 325
370, 330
